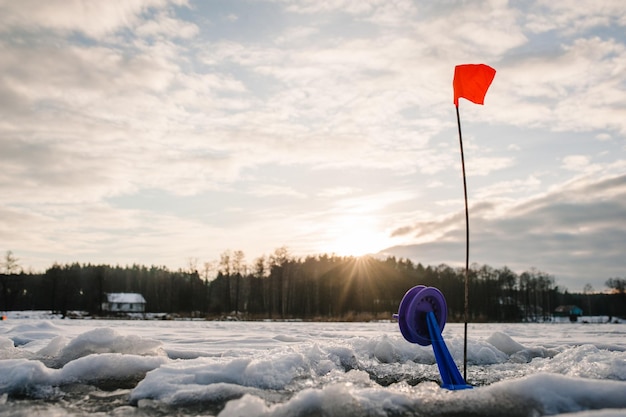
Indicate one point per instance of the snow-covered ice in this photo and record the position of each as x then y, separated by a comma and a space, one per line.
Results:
59, 367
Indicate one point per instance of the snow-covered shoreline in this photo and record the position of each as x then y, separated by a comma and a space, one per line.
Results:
49, 315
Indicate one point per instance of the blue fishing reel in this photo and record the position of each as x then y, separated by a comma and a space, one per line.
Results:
422, 316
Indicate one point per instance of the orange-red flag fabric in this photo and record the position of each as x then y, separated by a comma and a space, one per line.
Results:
471, 82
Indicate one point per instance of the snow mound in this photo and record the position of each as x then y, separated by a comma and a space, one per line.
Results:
101, 340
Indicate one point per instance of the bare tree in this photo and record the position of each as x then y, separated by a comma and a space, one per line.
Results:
225, 266
239, 268
280, 256
239, 263
260, 267
208, 269
617, 284
192, 265
10, 264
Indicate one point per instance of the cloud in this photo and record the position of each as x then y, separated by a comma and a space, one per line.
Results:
501, 189
93, 19
603, 137
353, 7
572, 232
80, 77
337, 192
297, 34
349, 94
573, 17
165, 26
575, 162
575, 88
268, 190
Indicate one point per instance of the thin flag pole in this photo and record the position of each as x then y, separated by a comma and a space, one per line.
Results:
466, 313
471, 81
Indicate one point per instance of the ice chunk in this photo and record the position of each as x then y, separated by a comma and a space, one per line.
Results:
590, 362
109, 369
504, 343
105, 340
384, 351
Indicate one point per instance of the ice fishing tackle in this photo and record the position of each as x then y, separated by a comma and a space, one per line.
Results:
422, 316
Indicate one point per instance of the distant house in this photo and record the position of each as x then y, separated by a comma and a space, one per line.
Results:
124, 302
571, 311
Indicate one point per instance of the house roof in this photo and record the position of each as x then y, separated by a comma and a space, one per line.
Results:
125, 297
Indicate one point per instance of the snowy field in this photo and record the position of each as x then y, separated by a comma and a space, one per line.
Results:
54, 367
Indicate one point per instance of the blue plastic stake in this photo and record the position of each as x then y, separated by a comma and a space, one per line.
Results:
450, 376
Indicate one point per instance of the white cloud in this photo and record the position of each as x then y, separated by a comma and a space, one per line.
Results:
485, 165
94, 19
500, 189
573, 16
460, 31
575, 162
268, 190
577, 88
296, 34
337, 192
354, 7
165, 26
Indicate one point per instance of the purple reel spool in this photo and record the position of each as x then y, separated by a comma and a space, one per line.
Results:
416, 303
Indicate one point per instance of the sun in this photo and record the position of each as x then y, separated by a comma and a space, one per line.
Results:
355, 236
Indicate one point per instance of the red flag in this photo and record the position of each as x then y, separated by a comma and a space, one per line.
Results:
471, 82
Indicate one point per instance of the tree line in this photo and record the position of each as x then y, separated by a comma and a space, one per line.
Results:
279, 286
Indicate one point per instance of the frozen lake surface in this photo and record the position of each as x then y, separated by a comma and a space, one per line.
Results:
53, 367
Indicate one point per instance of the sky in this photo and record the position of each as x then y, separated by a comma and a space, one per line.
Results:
168, 132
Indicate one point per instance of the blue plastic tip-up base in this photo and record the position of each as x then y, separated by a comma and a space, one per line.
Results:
421, 317
450, 376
